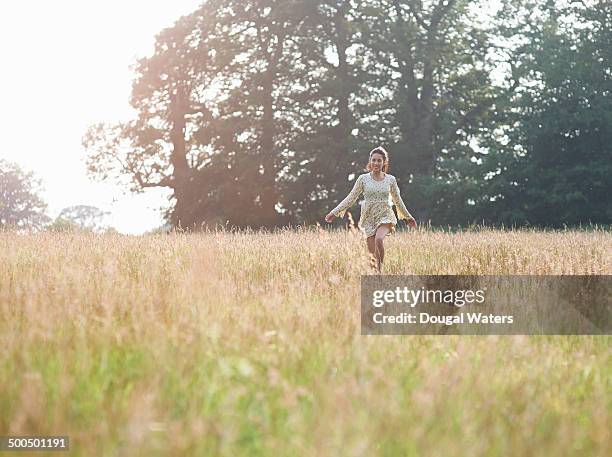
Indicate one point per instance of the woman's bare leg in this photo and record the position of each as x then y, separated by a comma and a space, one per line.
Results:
372, 250
379, 237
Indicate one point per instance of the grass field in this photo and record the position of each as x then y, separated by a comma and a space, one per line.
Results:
247, 344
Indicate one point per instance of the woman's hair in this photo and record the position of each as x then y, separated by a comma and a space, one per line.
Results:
384, 153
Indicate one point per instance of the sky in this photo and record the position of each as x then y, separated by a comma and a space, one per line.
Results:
65, 65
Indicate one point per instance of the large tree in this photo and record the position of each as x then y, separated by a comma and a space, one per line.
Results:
332, 92
556, 164
255, 112
437, 58
21, 205
209, 124
157, 148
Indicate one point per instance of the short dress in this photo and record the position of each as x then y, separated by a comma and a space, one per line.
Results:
376, 207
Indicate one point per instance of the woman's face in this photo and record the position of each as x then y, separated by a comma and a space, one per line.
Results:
376, 161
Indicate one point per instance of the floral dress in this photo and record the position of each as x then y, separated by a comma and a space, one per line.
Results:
376, 206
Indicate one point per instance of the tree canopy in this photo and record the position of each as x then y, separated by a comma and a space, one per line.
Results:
21, 205
81, 217
259, 112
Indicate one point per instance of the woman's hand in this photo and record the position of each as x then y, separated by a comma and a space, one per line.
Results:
412, 222
330, 217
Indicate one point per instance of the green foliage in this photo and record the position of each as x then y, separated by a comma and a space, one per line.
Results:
86, 217
63, 225
557, 160
21, 206
80, 218
254, 113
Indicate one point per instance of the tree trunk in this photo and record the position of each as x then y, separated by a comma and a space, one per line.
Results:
345, 123
268, 158
178, 157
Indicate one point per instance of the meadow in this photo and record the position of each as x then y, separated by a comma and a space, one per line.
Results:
248, 344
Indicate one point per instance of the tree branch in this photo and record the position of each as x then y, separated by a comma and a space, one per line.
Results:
440, 11
163, 182
415, 14
472, 114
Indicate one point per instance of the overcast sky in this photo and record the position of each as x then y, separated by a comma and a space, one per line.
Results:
65, 65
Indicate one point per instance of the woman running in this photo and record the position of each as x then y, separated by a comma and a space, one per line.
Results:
377, 219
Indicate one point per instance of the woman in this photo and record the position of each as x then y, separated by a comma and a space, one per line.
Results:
377, 219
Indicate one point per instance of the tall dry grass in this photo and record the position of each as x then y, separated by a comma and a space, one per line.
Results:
233, 344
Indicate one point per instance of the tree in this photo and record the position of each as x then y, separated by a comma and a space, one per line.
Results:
206, 148
253, 112
21, 205
333, 110
154, 150
81, 217
437, 58
555, 168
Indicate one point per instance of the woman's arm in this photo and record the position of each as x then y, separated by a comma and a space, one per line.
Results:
350, 199
402, 211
